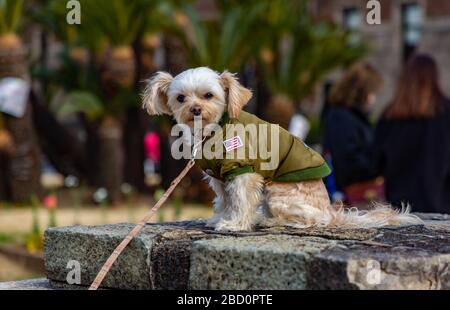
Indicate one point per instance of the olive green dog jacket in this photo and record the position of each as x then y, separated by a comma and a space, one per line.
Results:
240, 152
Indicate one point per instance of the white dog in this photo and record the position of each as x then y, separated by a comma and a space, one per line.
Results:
204, 93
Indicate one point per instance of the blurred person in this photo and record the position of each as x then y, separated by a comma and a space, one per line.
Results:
413, 140
348, 135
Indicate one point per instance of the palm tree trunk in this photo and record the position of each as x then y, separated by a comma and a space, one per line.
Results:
91, 155
111, 157
176, 62
137, 123
119, 73
262, 93
133, 142
4, 184
24, 162
24, 169
61, 147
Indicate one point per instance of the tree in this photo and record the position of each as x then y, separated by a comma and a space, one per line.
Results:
297, 52
120, 23
100, 80
22, 170
226, 41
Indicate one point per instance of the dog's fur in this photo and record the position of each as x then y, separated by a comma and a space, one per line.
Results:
245, 201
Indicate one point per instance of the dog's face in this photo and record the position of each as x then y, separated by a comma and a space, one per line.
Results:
195, 93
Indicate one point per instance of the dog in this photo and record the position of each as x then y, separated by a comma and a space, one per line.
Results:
253, 197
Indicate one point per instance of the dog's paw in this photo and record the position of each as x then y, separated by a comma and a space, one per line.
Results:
212, 222
231, 226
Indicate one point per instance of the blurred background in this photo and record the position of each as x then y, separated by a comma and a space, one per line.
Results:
75, 145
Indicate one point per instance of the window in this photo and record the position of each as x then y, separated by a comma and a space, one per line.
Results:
352, 22
412, 18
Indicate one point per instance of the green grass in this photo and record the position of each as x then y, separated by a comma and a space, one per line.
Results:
11, 238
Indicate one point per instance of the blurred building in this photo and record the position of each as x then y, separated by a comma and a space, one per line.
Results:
406, 26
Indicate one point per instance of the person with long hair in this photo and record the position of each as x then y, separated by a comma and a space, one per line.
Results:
348, 132
412, 144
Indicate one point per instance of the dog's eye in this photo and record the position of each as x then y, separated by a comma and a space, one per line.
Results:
181, 98
208, 96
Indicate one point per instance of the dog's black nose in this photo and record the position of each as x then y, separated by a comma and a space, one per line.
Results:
197, 111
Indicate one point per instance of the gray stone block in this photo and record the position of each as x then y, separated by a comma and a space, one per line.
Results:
91, 246
139, 267
262, 262
413, 257
188, 255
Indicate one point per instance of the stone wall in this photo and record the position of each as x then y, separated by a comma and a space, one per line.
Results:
187, 255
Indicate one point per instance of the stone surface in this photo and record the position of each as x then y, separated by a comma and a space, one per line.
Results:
90, 246
412, 257
187, 255
36, 284
436, 221
139, 265
263, 262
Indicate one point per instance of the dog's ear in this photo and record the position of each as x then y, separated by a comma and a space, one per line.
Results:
237, 95
155, 94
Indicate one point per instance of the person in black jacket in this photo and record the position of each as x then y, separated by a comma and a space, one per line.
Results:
348, 133
412, 144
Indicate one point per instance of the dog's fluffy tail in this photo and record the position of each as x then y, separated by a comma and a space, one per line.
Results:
378, 216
